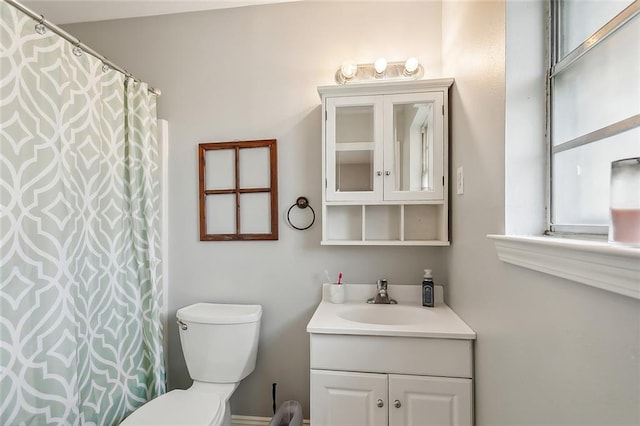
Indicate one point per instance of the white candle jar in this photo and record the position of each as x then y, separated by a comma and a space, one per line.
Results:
624, 227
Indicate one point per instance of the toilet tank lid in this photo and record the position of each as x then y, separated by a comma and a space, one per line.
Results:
219, 313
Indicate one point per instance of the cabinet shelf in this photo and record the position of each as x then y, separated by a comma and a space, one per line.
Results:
385, 224
354, 146
426, 243
385, 203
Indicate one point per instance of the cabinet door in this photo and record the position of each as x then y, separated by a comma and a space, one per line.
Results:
414, 146
347, 398
353, 135
418, 400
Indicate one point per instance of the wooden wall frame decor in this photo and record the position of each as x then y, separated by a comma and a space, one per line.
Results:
235, 180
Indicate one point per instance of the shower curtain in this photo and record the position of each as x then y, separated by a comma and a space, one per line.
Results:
80, 284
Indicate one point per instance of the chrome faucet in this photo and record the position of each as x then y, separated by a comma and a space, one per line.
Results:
382, 296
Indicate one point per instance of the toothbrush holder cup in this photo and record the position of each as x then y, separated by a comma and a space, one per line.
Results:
336, 293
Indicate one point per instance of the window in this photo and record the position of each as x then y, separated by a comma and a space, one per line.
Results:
594, 119
605, 266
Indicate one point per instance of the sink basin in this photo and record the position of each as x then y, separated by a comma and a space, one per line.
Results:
401, 336
354, 317
384, 314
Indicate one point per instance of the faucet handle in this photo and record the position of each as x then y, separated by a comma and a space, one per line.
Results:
382, 284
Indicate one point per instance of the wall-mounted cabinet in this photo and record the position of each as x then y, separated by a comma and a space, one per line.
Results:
385, 163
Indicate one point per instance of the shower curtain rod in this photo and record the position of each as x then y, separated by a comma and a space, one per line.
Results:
74, 41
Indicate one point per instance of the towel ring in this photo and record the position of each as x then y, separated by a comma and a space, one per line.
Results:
301, 203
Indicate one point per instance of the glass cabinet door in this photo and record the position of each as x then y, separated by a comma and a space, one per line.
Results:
413, 147
354, 148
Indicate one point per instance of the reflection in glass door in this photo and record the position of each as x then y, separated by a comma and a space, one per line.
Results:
411, 171
354, 150
413, 141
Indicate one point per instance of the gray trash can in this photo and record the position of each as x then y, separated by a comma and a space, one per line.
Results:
289, 414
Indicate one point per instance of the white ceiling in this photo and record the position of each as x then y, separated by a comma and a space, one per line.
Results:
70, 11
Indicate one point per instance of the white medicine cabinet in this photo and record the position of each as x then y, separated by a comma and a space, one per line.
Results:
385, 163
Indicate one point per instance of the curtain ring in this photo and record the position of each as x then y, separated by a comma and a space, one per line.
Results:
40, 27
301, 203
77, 50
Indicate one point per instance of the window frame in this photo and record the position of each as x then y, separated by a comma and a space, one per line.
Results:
237, 190
574, 260
555, 66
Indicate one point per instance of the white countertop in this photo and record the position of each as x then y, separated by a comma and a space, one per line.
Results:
437, 322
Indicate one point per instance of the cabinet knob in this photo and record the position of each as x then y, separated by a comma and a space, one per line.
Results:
387, 173
378, 173
397, 404
380, 403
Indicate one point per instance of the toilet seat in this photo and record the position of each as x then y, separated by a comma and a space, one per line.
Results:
180, 407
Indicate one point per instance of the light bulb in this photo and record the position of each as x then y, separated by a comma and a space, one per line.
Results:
380, 65
348, 70
411, 66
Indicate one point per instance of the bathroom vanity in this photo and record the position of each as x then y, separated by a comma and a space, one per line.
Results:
389, 364
385, 163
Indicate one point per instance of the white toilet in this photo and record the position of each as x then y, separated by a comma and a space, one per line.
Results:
219, 343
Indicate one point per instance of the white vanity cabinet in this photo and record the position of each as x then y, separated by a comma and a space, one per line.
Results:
385, 163
368, 399
396, 365
424, 400
348, 398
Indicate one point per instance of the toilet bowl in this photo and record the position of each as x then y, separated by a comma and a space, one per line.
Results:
219, 343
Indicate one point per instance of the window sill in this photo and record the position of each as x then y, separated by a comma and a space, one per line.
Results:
598, 264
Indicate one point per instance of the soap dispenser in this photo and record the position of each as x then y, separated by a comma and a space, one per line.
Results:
427, 289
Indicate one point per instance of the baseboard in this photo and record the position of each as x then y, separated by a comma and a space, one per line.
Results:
249, 421
254, 421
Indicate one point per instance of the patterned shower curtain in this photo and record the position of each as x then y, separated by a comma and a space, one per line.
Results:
80, 290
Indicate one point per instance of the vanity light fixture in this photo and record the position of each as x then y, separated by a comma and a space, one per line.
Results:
350, 72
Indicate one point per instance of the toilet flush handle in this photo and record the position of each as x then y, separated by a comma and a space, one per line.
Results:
182, 325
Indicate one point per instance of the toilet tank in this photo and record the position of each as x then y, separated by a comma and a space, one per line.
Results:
219, 341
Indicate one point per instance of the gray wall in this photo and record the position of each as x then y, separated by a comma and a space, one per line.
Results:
252, 73
549, 351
